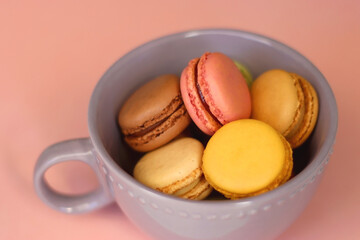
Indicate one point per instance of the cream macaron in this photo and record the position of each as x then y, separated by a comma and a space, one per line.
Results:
175, 169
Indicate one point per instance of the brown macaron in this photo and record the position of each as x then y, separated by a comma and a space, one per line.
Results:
287, 102
154, 114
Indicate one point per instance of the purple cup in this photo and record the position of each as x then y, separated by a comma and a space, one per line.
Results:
163, 216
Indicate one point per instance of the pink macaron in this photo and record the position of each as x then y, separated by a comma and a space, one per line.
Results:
214, 92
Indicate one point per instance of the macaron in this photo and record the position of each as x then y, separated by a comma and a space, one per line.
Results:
175, 169
245, 158
154, 114
287, 102
214, 91
245, 72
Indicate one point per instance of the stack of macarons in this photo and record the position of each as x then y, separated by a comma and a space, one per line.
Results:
252, 125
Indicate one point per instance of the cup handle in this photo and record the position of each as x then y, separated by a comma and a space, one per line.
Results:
77, 149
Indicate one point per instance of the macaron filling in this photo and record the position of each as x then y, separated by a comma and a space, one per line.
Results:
202, 98
193, 98
186, 188
200, 191
157, 126
144, 131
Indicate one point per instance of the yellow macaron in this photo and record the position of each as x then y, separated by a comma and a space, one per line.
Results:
245, 158
175, 169
287, 102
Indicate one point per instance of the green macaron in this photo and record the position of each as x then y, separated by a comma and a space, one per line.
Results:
245, 72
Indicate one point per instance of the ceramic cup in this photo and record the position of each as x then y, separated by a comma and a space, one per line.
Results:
165, 217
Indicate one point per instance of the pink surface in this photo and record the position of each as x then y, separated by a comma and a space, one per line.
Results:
52, 55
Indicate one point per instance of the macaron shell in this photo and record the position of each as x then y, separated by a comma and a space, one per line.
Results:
233, 164
223, 87
278, 100
282, 178
310, 115
196, 109
171, 167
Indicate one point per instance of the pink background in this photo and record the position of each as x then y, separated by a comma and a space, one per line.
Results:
52, 55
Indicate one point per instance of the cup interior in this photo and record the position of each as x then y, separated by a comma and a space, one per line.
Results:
171, 54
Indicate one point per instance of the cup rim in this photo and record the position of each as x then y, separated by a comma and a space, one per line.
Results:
299, 180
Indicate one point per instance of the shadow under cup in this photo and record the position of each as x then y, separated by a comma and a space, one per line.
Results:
166, 217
